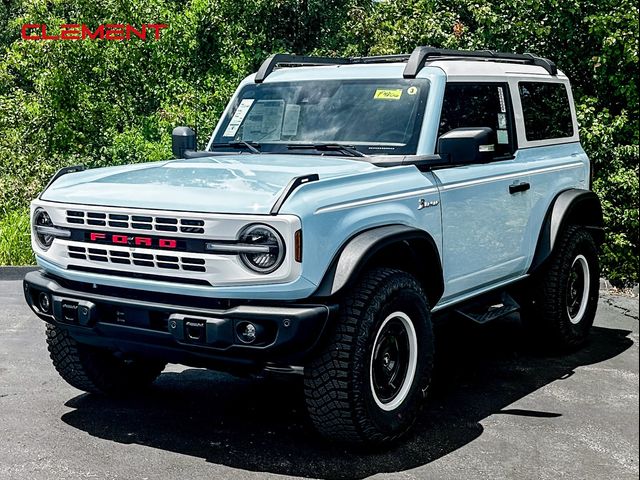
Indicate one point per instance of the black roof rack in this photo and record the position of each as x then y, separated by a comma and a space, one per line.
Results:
298, 60
420, 55
415, 61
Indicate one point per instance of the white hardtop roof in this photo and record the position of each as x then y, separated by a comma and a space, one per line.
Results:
474, 68
453, 69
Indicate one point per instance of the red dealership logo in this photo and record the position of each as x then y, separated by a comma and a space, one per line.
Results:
76, 31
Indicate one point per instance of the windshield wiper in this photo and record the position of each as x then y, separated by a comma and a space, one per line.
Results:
253, 147
327, 147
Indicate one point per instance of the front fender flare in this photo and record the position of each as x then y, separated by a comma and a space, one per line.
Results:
364, 248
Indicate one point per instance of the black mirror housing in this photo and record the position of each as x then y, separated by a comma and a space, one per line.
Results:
182, 139
468, 145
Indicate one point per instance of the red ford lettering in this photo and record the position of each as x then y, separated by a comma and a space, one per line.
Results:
120, 239
166, 243
146, 241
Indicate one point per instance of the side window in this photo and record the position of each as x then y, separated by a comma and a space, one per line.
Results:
479, 105
546, 110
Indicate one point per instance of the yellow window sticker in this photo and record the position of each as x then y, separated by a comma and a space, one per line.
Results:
388, 94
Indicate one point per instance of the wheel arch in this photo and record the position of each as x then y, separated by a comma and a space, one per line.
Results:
396, 246
570, 207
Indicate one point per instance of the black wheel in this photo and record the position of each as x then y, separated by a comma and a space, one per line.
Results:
96, 370
564, 297
368, 384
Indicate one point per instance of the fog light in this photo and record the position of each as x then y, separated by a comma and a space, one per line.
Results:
247, 332
44, 302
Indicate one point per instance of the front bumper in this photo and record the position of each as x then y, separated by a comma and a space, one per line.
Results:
175, 329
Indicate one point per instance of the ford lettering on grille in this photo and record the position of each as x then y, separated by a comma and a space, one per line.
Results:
133, 240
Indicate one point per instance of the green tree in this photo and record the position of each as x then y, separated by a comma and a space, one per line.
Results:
106, 103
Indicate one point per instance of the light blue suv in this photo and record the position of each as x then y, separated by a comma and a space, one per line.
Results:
340, 205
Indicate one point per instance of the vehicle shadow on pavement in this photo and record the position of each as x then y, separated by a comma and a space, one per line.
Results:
261, 425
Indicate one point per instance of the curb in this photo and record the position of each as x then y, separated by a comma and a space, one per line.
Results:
15, 273
606, 287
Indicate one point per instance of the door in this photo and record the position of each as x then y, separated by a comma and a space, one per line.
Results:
485, 207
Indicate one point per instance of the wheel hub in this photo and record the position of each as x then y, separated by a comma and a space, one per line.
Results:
393, 360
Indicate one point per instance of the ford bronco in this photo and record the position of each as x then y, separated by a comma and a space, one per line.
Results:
340, 205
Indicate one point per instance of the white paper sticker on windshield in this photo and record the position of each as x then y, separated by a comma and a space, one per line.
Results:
291, 118
264, 123
238, 117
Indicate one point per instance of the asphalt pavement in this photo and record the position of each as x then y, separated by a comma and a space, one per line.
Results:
498, 409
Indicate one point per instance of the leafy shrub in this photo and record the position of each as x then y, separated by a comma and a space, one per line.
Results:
15, 242
106, 103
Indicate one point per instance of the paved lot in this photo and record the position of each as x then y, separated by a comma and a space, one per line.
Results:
498, 410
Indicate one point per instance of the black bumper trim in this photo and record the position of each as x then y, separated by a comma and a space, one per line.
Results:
286, 332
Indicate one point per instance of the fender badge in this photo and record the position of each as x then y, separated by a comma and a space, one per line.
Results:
422, 203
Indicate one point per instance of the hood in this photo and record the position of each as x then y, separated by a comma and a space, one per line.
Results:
244, 183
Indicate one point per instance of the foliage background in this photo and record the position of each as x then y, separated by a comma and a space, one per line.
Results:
106, 103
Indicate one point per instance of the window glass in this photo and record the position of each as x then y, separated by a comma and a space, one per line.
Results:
478, 105
374, 116
546, 110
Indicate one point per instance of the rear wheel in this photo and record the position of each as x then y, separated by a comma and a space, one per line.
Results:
368, 384
97, 370
564, 297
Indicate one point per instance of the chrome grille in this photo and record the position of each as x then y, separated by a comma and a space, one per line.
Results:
140, 259
135, 222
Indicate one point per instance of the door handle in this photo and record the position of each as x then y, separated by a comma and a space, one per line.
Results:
519, 187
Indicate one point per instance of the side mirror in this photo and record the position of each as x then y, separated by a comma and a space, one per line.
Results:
182, 139
468, 145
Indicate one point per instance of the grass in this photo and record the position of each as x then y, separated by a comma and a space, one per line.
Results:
15, 238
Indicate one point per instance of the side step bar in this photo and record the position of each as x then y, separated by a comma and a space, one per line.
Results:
485, 312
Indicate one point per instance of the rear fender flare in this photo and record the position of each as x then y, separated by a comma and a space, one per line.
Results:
571, 207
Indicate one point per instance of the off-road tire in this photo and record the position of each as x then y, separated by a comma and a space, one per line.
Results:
546, 313
97, 370
339, 381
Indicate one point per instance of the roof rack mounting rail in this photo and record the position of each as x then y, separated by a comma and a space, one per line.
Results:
421, 55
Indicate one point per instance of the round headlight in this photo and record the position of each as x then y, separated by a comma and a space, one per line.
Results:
42, 218
268, 252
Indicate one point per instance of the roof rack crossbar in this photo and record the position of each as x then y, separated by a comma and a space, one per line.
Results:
270, 64
283, 58
415, 61
403, 57
421, 55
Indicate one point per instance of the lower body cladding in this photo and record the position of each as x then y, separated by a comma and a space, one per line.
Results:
239, 338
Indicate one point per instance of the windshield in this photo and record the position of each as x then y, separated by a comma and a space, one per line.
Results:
376, 117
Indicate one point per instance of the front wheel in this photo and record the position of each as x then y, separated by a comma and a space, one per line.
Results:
564, 297
368, 384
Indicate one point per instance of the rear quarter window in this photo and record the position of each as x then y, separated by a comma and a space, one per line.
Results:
546, 109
